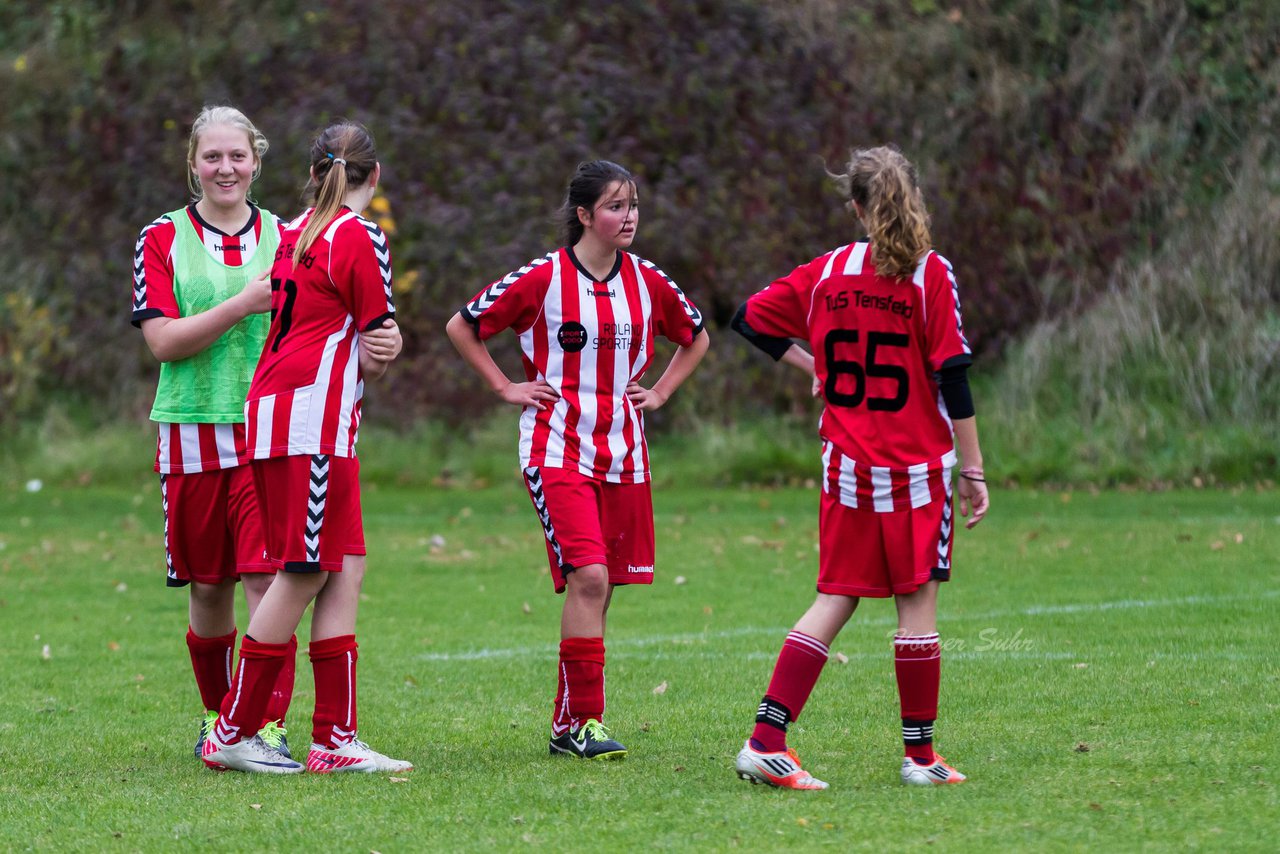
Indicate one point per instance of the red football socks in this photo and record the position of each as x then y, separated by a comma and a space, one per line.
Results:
211, 661
245, 705
917, 662
799, 665
333, 661
580, 686
282, 692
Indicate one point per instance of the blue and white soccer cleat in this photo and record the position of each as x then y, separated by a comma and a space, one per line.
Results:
251, 755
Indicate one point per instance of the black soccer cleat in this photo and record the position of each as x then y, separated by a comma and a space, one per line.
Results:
590, 741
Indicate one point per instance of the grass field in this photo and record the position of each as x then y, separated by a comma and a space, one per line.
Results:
1110, 680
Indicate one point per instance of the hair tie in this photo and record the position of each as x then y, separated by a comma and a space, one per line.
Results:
335, 159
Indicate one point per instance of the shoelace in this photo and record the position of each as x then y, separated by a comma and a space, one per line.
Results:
272, 735
596, 730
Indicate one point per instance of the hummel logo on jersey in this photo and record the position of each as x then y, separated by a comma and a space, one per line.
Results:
640, 570
592, 292
224, 247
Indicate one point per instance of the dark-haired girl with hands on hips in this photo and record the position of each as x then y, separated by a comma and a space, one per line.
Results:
587, 316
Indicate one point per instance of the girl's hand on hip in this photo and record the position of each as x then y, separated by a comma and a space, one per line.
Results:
535, 394
645, 399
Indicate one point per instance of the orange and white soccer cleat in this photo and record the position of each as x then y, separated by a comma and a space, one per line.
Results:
781, 770
937, 773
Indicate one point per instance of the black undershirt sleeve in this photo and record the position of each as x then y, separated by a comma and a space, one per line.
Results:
953, 382
774, 345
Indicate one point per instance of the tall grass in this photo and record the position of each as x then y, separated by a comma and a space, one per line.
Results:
1171, 373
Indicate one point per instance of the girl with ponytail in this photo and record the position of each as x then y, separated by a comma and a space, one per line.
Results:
889, 358
331, 330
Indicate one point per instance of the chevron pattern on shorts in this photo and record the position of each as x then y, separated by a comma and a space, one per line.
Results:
317, 494
533, 477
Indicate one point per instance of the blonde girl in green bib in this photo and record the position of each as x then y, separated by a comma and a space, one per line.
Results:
201, 296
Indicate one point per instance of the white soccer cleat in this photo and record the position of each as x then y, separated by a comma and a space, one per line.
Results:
251, 755
355, 755
781, 770
937, 773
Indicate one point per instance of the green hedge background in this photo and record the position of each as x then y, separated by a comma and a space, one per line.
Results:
1103, 175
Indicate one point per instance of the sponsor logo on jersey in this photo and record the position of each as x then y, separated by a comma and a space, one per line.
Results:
640, 570
614, 336
602, 291
230, 247
572, 336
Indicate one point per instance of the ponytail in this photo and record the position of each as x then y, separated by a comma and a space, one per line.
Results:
342, 157
883, 184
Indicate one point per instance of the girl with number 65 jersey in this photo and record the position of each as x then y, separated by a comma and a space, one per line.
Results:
889, 358
331, 286
587, 316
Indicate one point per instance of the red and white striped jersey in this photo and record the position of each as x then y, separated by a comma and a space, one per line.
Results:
878, 344
189, 448
587, 340
305, 396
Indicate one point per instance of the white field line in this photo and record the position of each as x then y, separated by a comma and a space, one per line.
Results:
623, 645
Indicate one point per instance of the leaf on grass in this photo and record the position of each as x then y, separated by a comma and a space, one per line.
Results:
661, 689
410, 681
1217, 545
255, 806
678, 768
1080, 665
842, 658
706, 609
525, 607
517, 819
113, 646
680, 579
803, 822
121, 587
1082, 747
1239, 538
1095, 807
45, 653
398, 779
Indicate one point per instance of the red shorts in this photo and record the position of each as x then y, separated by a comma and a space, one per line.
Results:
864, 553
310, 511
212, 528
593, 521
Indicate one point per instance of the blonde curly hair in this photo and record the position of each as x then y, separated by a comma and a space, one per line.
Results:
882, 184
